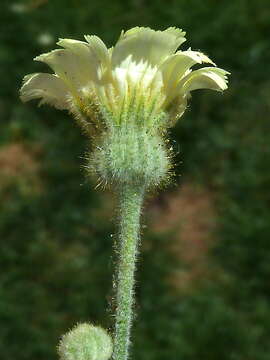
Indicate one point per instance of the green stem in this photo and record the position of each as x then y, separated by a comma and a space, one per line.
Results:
131, 200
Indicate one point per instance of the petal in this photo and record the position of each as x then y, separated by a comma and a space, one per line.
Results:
120, 79
48, 87
80, 62
98, 48
177, 65
93, 56
147, 45
205, 78
179, 35
80, 48
68, 66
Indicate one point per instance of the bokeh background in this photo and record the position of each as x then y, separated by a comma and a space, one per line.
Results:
203, 280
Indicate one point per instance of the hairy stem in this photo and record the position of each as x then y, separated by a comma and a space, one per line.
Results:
131, 200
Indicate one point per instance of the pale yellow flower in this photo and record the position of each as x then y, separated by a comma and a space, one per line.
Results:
143, 74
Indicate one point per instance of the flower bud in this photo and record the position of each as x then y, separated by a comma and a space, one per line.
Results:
85, 342
130, 155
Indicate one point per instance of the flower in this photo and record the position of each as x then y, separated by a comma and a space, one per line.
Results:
125, 98
138, 80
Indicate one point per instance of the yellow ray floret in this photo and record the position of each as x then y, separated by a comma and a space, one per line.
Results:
142, 73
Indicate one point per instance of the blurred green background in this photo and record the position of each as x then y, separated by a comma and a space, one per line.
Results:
203, 280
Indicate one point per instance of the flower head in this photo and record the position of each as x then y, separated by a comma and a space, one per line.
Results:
125, 97
139, 80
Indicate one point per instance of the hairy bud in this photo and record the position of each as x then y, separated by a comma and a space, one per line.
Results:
130, 155
85, 342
